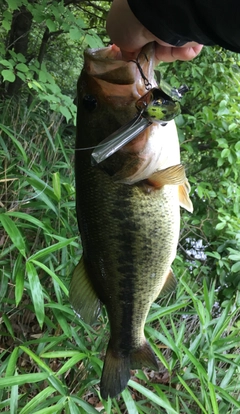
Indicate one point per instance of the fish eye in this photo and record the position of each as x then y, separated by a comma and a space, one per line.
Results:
89, 102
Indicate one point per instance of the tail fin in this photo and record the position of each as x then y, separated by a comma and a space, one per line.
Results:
116, 369
115, 375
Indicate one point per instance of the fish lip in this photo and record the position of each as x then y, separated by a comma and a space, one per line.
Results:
110, 52
106, 64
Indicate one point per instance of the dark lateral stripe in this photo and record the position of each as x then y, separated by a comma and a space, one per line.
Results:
126, 267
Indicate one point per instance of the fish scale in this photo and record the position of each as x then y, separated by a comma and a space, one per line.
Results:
128, 216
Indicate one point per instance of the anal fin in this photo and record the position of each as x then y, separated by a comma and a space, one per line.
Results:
169, 285
82, 296
183, 193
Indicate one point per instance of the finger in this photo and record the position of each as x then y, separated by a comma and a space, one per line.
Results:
171, 54
163, 54
186, 53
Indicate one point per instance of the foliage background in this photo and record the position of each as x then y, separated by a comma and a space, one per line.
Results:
50, 361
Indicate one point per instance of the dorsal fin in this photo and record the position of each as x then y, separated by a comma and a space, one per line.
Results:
82, 296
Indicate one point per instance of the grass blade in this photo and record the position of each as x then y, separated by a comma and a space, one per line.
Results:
38, 399
11, 367
36, 291
50, 249
52, 274
130, 403
213, 398
14, 233
153, 397
192, 394
18, 276
22, 379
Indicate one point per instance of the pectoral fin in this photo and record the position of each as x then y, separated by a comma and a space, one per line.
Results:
184, 200
169, 285
82, 296
170, 176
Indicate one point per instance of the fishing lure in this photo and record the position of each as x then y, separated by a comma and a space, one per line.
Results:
157, 105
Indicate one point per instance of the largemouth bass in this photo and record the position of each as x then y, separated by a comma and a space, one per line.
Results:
127, 209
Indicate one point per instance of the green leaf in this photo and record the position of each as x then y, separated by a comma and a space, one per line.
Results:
14, 233
36, 291
75, 33
51, 249
41, 364
93, 41
60, 354
213, 398
58, 385
185, 385
164, 310
16, 141
52, 274
22, 379
129, 402
51, 25
162, 402
86, 407
13, 4
71, 362
65, 111
73, 408
227, 396
22, 76
221, 226
233, 126
14, 398
12, 363
8, 75
31, 219
56, 408
37, 400
6, 63
57, 185
236, 267
216, 255
225, 153
195, 362
18, 276
22, 67
235, 257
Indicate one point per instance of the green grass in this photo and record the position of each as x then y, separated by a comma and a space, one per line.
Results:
50, 361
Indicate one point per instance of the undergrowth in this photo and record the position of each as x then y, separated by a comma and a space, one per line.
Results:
51, 361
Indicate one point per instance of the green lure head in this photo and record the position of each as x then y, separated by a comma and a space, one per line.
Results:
157, 106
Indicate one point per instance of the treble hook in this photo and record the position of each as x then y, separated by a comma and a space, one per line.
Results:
147, 84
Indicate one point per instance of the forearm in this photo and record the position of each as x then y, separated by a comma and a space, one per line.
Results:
175, 22
127, 32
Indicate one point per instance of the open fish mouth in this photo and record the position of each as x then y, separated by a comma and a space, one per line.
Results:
107, 64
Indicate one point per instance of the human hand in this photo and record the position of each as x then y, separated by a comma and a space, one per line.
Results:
126, 31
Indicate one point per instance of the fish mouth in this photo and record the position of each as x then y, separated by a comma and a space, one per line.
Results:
106, 64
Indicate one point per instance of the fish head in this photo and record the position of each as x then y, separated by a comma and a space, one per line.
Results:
108, 90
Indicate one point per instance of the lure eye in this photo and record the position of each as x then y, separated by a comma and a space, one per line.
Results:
89, 102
